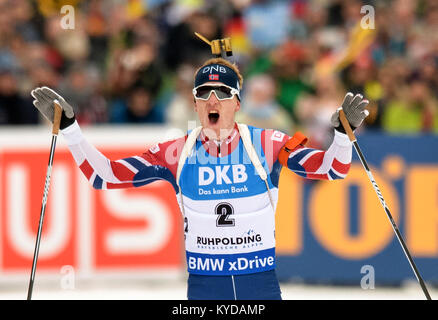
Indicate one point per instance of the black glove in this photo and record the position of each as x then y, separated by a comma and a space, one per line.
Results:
354, 109
44, 98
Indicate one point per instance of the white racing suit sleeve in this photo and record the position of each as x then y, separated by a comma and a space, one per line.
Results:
331, 164
103, 173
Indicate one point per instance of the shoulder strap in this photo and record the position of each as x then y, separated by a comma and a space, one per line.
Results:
249, 147
188, 146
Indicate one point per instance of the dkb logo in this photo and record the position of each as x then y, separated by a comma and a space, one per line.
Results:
220, 173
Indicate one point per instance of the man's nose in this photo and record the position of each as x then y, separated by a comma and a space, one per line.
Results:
213, 98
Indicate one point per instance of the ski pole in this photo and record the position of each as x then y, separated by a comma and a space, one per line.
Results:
55, 130
353, 139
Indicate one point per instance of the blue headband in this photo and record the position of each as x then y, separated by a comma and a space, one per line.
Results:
217, 73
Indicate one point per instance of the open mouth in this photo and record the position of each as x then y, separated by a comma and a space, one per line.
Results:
213, 117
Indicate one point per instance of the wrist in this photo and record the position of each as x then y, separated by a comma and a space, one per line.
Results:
340, 128
66, 121
341, 139
72, 134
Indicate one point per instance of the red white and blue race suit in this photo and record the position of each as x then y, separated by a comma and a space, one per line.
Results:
229, 212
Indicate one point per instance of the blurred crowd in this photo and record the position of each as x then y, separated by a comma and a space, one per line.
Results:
133, 61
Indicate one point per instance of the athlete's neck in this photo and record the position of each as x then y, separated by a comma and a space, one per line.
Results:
218, 135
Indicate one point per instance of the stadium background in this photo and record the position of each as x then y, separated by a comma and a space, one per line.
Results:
127, 68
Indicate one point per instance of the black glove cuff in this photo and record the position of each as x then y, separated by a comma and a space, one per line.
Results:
340, 128
66, 121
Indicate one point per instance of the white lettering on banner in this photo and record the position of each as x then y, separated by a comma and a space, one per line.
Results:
149, 239
57, 232
207, 174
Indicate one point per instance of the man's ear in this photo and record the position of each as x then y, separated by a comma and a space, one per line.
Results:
237, 105
196, 107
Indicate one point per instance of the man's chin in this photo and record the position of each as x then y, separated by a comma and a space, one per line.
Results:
212, 130
216, 130
214, 125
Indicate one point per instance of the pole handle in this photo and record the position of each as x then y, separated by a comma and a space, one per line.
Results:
56, 117
346, 126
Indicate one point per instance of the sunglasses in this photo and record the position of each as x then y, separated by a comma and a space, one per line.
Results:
222, 92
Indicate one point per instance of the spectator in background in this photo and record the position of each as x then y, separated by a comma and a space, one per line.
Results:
268, 23
135, 62
97, 30
14, 109
43, 73
428, 70
259, 107
181, 107
182, 46
72, 44
82, 86
381, 92
121, 43
312, 109
137, 108
414, 110
289, 69
287, 64
361, 77
360, 74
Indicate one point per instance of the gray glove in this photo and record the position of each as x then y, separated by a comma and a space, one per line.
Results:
354, 109
44, 98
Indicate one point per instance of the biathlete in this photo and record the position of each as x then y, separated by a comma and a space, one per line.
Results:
225, 175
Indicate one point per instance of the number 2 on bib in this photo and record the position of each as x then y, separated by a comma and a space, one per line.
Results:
224, 210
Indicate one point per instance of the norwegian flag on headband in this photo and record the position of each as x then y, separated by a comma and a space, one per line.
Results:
219, 73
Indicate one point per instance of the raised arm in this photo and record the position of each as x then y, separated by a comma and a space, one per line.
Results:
309, 163
101, 172
333, 163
